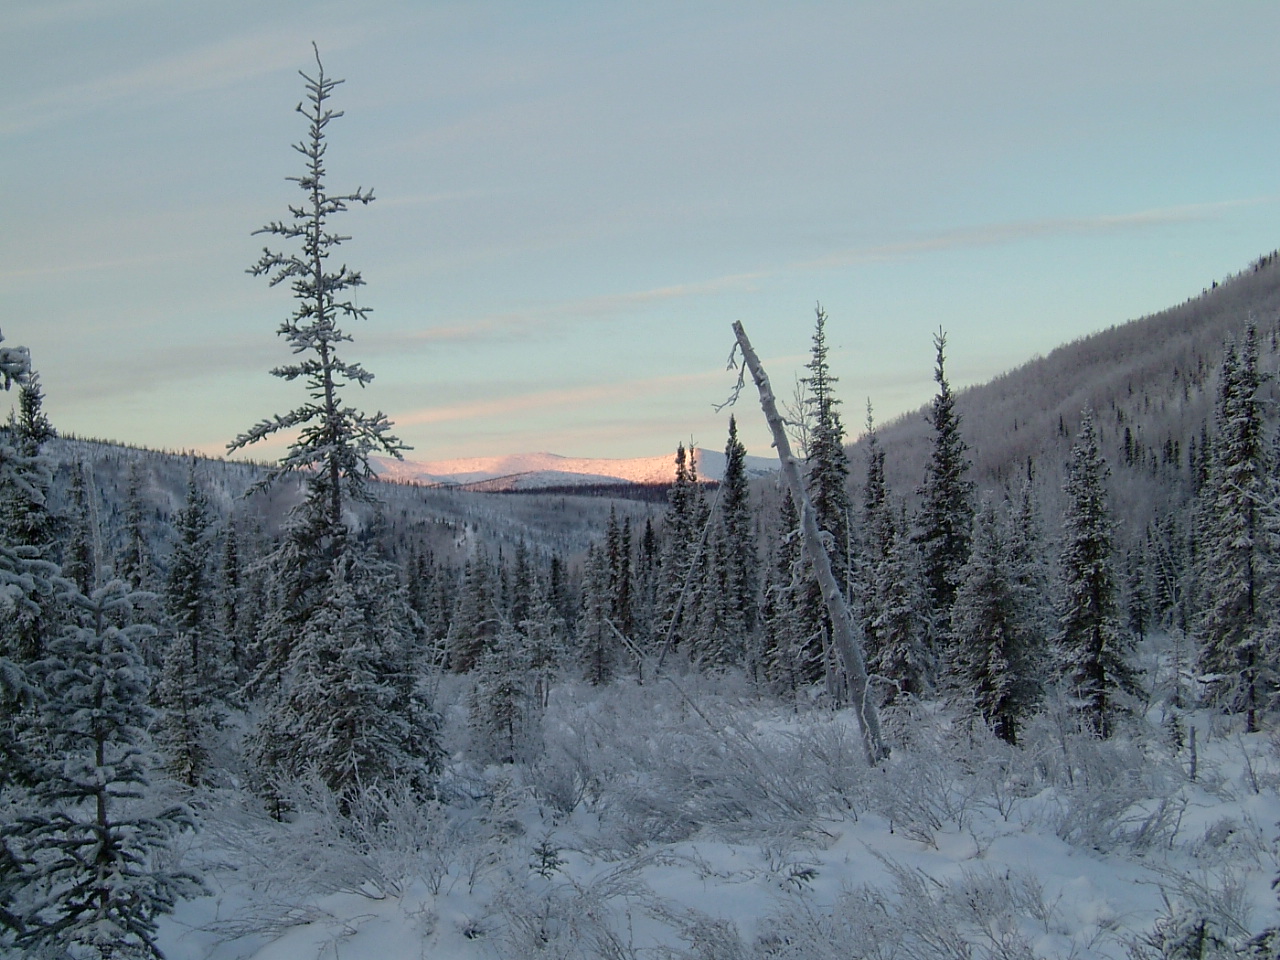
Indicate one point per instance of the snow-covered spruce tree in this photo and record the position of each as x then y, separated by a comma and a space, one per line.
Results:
946, 508
474, 623
79, 560
369, 726
28, 583
352, 710
90, 879
684, 556
1237, 564
993, 660
546, 637
897, 638
617, 556
1091, 642
827, 467
785, 626
334, 440
739, 556
597, 644
1025, 546
233, 605
826, 479
135, 564
505, 707
28, 529
188, 595
886, 586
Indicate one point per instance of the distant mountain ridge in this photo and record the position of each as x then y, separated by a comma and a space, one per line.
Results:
540, 471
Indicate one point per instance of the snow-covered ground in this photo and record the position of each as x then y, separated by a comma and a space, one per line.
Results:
691, 818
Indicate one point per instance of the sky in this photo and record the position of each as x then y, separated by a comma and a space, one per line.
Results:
575, 200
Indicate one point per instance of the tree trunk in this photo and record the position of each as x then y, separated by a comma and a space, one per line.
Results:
847, 643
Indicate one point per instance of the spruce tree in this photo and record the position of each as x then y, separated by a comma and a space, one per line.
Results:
28, 588
897, 633
827, 465
788, 652
505, 704
739, 557
993, 655
946, 508
135, 565
1237, 564
343, 694
1090, 638
352, 710
188, 589
333, 440
90, 853
684, 556
79, 556
597, 644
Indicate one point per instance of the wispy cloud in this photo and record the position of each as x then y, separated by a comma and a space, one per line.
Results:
510, 324
998, 234
210, 67
522, 323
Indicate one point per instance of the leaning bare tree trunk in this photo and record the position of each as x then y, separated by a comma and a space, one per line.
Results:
848, 646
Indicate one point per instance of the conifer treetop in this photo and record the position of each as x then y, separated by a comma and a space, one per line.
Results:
334, 440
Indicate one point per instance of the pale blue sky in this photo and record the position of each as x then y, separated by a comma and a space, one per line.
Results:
576, 199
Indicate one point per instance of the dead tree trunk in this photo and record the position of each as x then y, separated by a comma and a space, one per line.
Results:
848, 645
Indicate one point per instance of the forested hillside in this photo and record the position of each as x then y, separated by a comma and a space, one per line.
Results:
1151, 383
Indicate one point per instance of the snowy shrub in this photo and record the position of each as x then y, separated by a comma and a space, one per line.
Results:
1205, 918
569, 920
979, 916
932, 778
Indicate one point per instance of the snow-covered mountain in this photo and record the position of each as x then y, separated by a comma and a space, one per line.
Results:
537, 471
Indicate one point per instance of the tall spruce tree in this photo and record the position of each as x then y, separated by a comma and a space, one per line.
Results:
827, 465
684, 562
945, 519
334, 440
371, 728
189, 600
28, 579
1090, 638
738, 556
1237, 564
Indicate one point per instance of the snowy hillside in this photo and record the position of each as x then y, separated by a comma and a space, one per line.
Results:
534, 471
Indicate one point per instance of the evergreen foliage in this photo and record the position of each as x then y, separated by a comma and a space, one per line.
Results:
739, 558
1237, 556
1090, 638
505, 703
994, 640
898, 628
826, 462
90, 883
345, 694
352, 710
946, 508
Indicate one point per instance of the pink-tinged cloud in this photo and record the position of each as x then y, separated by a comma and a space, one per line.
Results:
552, 399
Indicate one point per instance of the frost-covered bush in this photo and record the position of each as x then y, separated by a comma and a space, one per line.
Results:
981, 915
